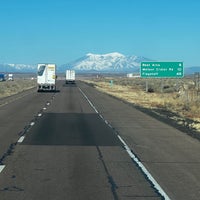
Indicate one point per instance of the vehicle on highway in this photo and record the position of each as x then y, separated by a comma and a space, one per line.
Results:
70, 76
46, 77
10, 77
2, 77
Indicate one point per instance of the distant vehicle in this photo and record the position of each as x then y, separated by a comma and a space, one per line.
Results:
10, 77
2, 77
46, 77
70, 76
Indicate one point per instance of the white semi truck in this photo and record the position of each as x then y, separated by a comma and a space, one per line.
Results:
46, 77
70, 76
10, 77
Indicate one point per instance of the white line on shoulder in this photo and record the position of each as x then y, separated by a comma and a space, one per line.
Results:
135, 159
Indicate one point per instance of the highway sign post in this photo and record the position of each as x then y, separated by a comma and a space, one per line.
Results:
161, 70
111, 83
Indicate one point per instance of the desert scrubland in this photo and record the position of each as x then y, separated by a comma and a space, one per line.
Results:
179, 98
8, 88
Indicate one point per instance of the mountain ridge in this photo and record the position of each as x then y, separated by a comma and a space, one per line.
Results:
111, 62
94, 63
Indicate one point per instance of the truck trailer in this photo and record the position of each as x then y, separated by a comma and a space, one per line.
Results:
70, 76
10, 77
2, 77
46, 77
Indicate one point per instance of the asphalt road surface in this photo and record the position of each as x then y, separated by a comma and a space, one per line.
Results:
80, 144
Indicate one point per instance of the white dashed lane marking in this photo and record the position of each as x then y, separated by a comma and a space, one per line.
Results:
32, 123
21, 139
1, 168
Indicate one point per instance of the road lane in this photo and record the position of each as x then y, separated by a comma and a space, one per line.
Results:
16, 114
71, 153
171, 156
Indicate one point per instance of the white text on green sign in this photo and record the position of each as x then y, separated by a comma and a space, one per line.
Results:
161, 70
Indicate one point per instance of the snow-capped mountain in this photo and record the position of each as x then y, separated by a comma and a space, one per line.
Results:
111, 62
20, 68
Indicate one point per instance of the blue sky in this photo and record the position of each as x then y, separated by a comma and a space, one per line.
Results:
61, 31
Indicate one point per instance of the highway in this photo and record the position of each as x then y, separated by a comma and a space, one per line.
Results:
81, 144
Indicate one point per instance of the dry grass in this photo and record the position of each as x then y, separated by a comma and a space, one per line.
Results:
185, 103
8, 88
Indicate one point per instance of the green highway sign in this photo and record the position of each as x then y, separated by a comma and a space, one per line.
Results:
161, 70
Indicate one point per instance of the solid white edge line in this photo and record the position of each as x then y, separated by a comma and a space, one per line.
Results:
21, 139
88, 101
1, 168
144, 169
